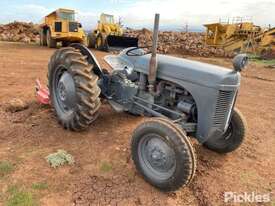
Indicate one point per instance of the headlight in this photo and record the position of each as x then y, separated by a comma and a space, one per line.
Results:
239, 62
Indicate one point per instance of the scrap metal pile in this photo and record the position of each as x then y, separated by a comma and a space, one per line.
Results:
189, 43
19, 32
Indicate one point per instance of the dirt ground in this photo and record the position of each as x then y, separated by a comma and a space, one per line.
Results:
104, 173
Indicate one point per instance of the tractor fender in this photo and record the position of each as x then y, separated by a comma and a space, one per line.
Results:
90, 58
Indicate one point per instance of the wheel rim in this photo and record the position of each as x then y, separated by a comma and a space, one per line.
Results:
157, 157
64, 90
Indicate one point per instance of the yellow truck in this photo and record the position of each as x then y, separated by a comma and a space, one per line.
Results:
61, 26
109, 35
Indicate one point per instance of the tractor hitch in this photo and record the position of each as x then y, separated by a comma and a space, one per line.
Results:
42, 93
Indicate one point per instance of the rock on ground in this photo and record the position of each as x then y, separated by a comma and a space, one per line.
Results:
16, 105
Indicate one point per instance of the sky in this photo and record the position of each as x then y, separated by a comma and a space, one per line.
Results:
174, 14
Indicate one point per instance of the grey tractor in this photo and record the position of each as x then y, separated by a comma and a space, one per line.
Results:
181, 98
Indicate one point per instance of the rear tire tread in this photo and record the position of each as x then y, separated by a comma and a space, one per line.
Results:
87, 90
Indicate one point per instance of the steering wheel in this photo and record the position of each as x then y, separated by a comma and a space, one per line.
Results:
131, 53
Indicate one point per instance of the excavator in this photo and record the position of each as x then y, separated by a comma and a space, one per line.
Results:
241, 36
108, 35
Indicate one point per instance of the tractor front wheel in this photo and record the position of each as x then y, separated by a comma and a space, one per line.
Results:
163, 154
91, 41
232, 138
73, 89
101, 43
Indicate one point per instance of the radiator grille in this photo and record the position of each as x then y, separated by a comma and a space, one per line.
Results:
58, 27
223, 106
73, 27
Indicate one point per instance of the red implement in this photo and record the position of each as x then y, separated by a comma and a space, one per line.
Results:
42, 93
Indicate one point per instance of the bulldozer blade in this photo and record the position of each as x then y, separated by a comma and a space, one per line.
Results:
120, 42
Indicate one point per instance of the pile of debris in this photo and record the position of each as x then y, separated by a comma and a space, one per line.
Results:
186, 43
19, 32
189, 43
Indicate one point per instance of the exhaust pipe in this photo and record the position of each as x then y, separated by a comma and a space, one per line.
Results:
153, 61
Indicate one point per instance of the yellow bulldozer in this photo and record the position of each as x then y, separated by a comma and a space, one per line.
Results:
108, 35
241, 37
61, 26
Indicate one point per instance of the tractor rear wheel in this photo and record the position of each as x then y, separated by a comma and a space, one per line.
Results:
232, 138
50, 41
163, 154
73, 89
43, 38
